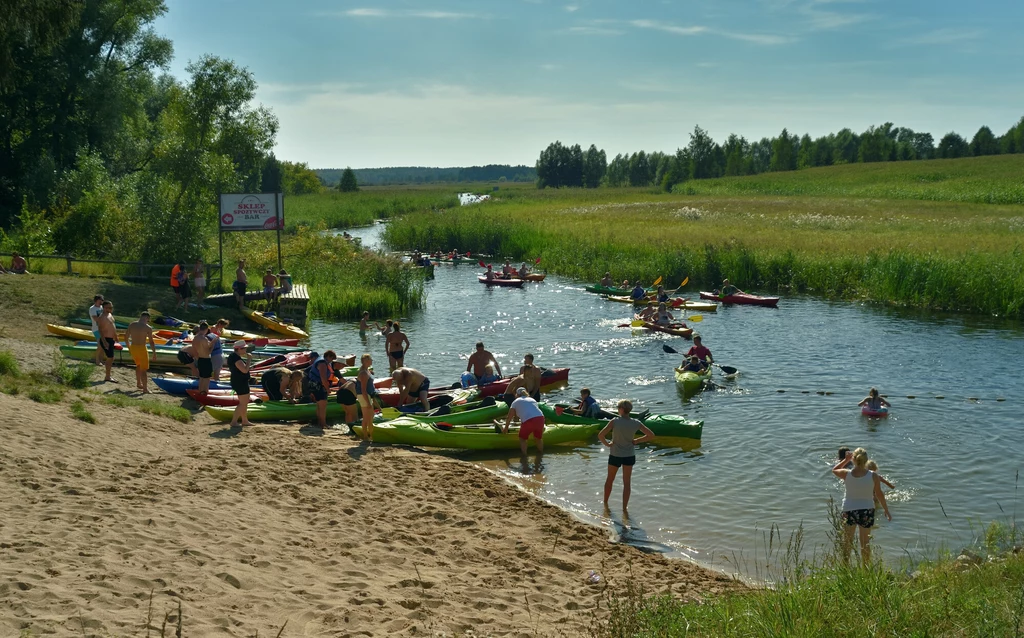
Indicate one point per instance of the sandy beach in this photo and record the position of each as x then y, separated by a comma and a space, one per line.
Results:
250, 529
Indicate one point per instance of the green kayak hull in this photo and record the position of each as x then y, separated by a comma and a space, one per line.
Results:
464, 417
408, 431
692, 382
284, 411
610, 290
165, 358
668, 426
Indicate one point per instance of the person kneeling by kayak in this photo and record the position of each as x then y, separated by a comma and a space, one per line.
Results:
282, 384
411, 381
317, 380
531, 420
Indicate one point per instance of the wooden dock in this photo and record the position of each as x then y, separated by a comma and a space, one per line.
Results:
291, 306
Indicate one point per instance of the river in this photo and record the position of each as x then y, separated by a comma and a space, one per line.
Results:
770, 436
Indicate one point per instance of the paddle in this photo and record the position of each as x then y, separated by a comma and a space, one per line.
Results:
728, 370
656, 281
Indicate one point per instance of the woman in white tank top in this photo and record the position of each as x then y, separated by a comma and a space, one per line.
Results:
863, 487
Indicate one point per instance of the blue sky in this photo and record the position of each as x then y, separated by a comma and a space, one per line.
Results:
458, 83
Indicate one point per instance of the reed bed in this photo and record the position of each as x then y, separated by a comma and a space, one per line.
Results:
334, 209
945, 255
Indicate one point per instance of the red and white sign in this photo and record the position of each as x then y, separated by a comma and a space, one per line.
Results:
248, 211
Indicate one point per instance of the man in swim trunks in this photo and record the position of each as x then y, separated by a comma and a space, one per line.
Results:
270, 284
187, 356
478, 363
108, 337
240, 283
531, 375
410, 382
364, 323
204, 351
397, 344
135, 338
531, 421
95, 310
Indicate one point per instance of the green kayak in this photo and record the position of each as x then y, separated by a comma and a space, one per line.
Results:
692, 382
480, 415
611, 290
165, 357
664, 426
284, 411
416, 432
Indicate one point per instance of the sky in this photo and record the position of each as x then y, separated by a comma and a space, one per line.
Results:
460, 83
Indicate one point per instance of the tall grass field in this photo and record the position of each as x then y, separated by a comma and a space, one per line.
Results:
841, 232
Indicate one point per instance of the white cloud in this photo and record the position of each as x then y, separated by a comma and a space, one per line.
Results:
594, 31
944, 36
428, 15
572, 8
753, 38
668, 28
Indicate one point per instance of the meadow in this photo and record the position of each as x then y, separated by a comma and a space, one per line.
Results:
827, 237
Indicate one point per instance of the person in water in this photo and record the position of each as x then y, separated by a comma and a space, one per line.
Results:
699, 350
135, 337
873, 401
587, 405
531, 375
412, 382
622, 449
531, 421
664, 317
396, 344
477, 368
364, 323
638, 292
863, 487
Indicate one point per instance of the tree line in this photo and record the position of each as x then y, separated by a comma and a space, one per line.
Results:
105, 154
428, 175
560, 165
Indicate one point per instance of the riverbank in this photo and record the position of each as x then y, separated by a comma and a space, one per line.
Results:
828, 234
251, 529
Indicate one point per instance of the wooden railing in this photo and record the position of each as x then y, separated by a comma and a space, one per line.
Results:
127, 270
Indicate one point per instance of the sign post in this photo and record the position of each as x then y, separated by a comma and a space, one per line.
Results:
250, 211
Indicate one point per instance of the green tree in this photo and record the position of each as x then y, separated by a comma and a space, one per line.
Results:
984, 143
783, 153
952, 145
297, 178
348, 183
595, 165
844, 151
271, 177
702, 153
737, 156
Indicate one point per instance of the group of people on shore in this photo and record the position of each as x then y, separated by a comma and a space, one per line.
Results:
273, 286
18, 266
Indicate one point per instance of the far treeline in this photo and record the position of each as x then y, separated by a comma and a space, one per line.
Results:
703, 158
426, 175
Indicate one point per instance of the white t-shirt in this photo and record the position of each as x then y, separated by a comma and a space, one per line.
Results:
526, 408
95, 312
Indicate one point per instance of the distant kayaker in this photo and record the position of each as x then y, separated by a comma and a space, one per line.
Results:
622, 449
638, 292
728, 288
699, 350
531, 421
397, 344
282, 384
531, 375
477, 367
649, 313
664, 317
489, 275
863, 487
240, 284
523, 271
663, 295
135, 337
95, 311
204, 351
607, 281
874, 402
108, 337
587, 405
412, 382
692, 364
317, 381
507, 270
366, 395
239, 368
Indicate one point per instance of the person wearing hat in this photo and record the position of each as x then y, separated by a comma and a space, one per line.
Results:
239, 368
728, 288
531, 420
699, 350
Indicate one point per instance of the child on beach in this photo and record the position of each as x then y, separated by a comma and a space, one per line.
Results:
621, 449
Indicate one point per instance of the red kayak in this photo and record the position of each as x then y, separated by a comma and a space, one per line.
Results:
742, 298
549, 378
514, 283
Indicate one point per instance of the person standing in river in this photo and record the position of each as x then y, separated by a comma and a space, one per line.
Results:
531, 375
622, 449
477, 366
396, 344
863, 488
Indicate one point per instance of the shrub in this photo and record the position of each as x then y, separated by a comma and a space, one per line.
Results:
8, 364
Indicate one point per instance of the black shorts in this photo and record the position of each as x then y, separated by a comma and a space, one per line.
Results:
185, 358
317, 391
184, 290
397, 355
238, 288
346, 397
425, 386
108, 347
861, 518
536, 396
239, 387
205, 367
619, 461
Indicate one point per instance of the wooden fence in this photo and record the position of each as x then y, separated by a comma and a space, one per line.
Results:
127, 270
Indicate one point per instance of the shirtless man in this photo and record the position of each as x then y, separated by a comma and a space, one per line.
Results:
478, 364
411, 381
397, 344
607, 281
240, 283
135, 337
108, 337
364, 323
204, 350
531, 375
270, 284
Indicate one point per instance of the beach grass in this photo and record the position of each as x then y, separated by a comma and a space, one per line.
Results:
8, 364
79, 411
948, 254
72, 375
149, 406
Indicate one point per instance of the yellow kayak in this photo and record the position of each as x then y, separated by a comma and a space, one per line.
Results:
274, 324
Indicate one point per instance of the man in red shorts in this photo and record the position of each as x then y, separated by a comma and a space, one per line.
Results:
531, 420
